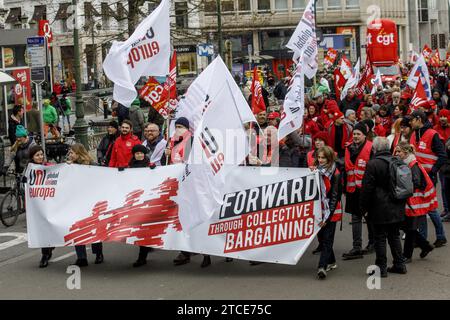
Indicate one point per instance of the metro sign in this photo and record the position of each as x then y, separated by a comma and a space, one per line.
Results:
205, 50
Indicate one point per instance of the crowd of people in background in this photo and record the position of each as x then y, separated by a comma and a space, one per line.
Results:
352, 143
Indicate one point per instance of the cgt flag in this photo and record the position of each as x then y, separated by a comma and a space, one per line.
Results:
345, 67
330, 58
162, 97
419, 99
258, 104
339, 82
304, 41
294, 104
145, 53
365, 78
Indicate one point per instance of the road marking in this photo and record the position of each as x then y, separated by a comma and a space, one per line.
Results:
68, 255
19, 238
19, 258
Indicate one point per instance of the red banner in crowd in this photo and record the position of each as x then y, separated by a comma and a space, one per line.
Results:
23, 81
427, 52
345, 67
258, 104
162, 97
435, 59
44, 30
448, 57
339, 83
330, 57
419, 99
366, 78
382, 41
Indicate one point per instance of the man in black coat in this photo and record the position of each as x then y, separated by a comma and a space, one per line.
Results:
351, 102
384, 211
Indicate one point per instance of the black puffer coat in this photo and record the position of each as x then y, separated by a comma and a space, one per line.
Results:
375, 197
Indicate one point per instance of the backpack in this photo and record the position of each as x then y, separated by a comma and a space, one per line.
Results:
401, 182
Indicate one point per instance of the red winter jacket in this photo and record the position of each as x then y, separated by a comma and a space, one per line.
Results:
121, 152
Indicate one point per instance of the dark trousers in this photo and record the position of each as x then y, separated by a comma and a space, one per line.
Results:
143, 252
391, 232
413, 237
357, 226
326, 242
97, 248
46, 251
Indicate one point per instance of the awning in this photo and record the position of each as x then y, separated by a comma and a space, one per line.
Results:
6, 78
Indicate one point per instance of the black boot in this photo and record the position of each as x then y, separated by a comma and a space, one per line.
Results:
99, 258
139, 263
181, 259
206, 261
426, 251
44, 261
397, 269
81, 263
353, 254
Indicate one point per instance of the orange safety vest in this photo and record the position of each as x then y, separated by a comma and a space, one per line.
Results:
337, 216
422, 202
355, 172
425, 156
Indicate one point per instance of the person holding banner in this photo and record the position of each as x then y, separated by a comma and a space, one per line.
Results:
121, 151
155, 143
325, 161
79, 155
36, 156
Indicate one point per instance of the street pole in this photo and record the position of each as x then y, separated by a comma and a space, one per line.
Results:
80, 125
219, 27
24, 98
94, 58
41, 116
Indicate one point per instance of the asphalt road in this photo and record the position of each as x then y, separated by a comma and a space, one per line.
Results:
20, 277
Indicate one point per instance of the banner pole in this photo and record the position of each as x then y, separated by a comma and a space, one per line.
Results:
24, 96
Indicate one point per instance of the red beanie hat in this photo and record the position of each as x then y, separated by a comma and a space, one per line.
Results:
336, 115
322, 135
444, 113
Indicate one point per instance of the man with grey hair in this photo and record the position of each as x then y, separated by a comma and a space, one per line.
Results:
384, 211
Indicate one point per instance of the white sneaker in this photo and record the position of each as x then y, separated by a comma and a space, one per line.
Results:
404, 236
331, 267
321, 273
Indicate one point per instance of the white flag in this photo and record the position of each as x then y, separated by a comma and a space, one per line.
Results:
377, 82
294, 104
220, 144
145, 53
207, 85
352, 81
304, 41
420, 71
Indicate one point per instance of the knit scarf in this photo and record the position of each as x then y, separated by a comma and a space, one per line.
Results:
325, 172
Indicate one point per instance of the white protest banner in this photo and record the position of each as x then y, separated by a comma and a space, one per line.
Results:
145, 53
220, 144
294, 104
304, 41
208, 84
352, 81
274, 220
420, 71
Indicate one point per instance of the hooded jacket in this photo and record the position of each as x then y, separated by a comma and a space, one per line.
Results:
121, 150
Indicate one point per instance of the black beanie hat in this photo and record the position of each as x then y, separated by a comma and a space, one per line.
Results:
361, 126
183, 121
406, 122
139, 148
114, 124
369, 123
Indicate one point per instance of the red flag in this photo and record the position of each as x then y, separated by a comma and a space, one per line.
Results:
366, 76
258, 104
339, 83
330, 58
448, 57
427, 52
162, 97
419, 99
345, 67
44, 30
435, 59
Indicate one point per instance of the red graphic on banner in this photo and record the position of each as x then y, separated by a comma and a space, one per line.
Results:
23, 81
435, 59
419, 99
258, 104
339, 82
427, 52
267, 227
136, 223
330, 58
382, 42
366, 78
45, 31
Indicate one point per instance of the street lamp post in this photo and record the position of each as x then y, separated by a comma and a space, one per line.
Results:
80, 125
219, 26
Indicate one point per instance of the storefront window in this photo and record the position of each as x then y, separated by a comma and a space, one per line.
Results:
275, 40
14, 56
187, 64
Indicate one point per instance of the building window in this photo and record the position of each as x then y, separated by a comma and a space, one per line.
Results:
14, 15
227, 6
334, 4
298, 4
263, 5
442, 41
181, 12
244, 5
210, 7
281, 5
187, 64
423, 11
351, 4
40, 13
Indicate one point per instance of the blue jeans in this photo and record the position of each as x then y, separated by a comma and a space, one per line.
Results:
443, 181
436, 219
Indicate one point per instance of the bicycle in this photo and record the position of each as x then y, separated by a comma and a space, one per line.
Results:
13, 202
